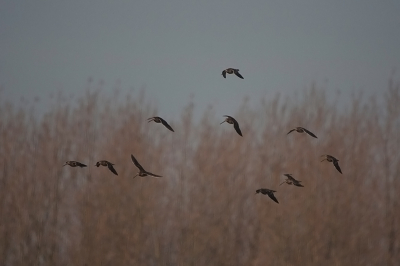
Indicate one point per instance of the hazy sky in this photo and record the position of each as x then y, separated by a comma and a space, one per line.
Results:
177, 48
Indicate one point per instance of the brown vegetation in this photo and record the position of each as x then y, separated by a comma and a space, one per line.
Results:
204, 210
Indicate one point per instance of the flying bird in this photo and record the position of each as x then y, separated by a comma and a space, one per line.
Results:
74, 164
268, 192
108, 164
302, 130
158, 119
333, 160
232, 71
231, 120
141, 172
291, 181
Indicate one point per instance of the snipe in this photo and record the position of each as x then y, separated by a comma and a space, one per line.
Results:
302, 130
268, 192
158, 119
141, 172
231, 120
291, 181
333, 160
108, 164
232, 71
74, 164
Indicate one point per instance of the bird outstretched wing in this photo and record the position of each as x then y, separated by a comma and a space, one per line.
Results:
336, 164
236, 126
290, 131
166, 124
110, 166
236, 71
137, 163
81, 164
153, 174
309, 132
272, 196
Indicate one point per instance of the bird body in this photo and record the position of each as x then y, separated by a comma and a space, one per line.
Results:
291, 181
141, 172
302, 130
108, 164
232, 71
74, 164
268, 192
231, 120
333, 160
158, 119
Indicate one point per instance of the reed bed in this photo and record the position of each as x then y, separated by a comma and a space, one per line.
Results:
204, 210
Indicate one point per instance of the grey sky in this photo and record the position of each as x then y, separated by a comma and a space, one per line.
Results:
177, 48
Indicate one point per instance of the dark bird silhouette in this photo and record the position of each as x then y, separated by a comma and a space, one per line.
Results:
268, 192
302, 130
231, 120
291, 181
158, 119
141, 172
232, 71
108, 164
333, 160
74, 164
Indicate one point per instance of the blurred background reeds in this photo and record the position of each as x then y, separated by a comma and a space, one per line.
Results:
204, 210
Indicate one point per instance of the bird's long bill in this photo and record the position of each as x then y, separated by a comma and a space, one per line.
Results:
64, 165
282, 182
136, 175
222, 122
